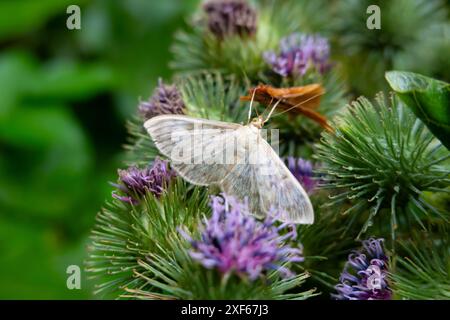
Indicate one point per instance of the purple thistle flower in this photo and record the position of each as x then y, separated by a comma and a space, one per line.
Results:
230, 17
166, 99
233, 240
135, 183
365, 273
298, 54
303, 171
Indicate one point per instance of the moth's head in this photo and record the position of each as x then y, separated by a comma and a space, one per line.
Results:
258, 122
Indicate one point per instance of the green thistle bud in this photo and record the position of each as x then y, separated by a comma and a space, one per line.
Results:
422, 271
411, 31
232, 36
382, 158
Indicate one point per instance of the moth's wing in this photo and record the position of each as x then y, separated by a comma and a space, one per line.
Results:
280, 190
242, 182
269, 187
308, 96
188, 142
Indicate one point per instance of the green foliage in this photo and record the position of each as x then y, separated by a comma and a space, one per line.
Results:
326, 243
423, 273
42, 143
428, 98
205, 95
18, 17
125, 234
177, 276
381, 161
137, 252
64, 97
406, 26
299, 133
198, 49
382, 158
140, 148
213, 96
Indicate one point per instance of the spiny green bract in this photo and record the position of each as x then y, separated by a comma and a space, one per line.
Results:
177, 276
409, 29
206, 95
198, 49
380, 160
125, 234
210, 95
423, 270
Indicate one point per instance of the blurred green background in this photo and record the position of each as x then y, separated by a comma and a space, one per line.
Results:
65, 97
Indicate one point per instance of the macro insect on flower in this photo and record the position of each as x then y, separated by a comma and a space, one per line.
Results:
198, 150
296, 100
233, 241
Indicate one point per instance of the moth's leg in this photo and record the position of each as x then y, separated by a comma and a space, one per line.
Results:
250, 107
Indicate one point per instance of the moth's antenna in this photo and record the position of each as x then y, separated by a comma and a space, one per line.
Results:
273, 108
256, 110
268, 106
251, 103
299, 104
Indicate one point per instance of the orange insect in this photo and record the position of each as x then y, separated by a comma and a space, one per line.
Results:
301, 100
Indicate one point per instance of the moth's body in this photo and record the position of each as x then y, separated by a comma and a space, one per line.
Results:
257, 123
268, 186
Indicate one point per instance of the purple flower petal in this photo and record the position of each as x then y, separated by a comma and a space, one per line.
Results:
298, 54
230, 17
134, 183
364, 276
303, 172
166, 99
233, 240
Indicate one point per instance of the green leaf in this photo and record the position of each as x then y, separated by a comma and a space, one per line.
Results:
67, 79
22, 244
49, 161
18, 17
428, 98
16, 70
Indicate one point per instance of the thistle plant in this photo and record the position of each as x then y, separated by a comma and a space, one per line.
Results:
380, 161
230, 18
261, 41
409, 29
178, 276
302, 170
160, 237
232, 35
365, 276
235, 259
126, 233
302, 59
165, 100
135, 183
211, 95
423, 267
233, 241
299, 53
325, 244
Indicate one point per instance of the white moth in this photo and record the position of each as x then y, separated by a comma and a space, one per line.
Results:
207, 152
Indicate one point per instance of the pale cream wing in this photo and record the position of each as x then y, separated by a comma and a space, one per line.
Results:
201, 151
282, 191
269, 187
